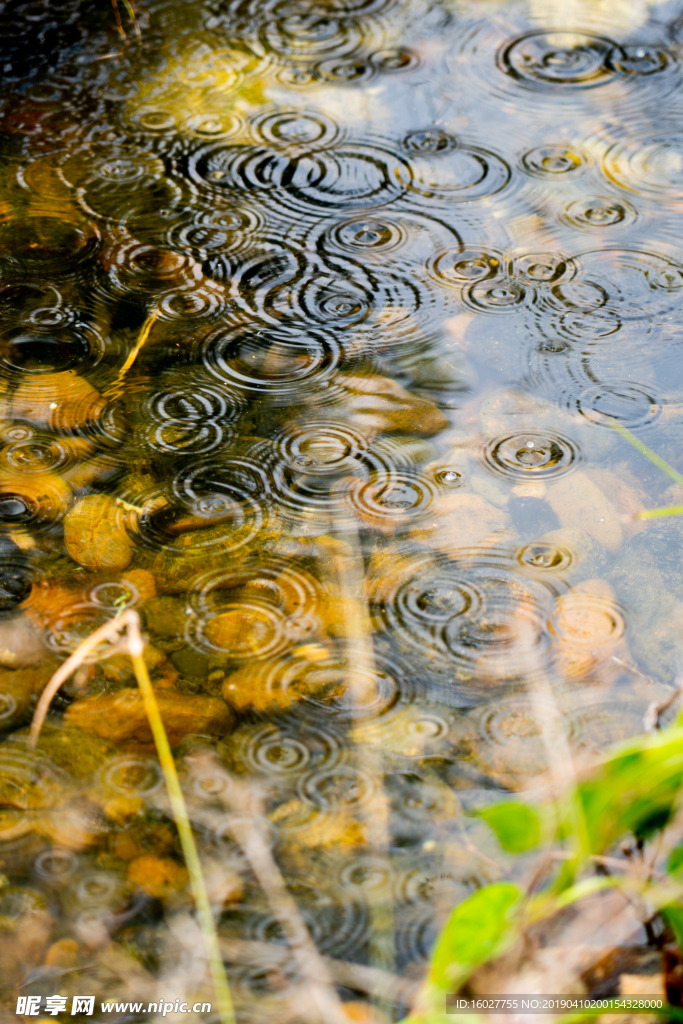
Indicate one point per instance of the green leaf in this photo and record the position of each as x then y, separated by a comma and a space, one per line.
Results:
516, 825
635, 790
474, 932
673, 914
675, 862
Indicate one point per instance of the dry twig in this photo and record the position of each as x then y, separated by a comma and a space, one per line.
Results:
651, 720
310, 963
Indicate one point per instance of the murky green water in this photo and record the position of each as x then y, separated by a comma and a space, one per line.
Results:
315, 321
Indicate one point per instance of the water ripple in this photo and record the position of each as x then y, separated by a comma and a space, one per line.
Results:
531, 456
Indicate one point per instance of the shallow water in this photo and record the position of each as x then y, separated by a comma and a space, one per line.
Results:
316, 320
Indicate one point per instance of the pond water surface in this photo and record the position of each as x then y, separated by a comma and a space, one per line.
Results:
317, 318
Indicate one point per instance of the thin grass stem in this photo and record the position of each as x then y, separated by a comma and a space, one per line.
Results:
133, 354
175, 794
119, 26
657, 513
648, 453
134, 644
131, 14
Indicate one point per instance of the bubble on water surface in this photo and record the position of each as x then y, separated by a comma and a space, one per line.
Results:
464, 266
498, 295
531, 455
640, 60
545, 558
450, 478
598, 212
213, 126
558, 58
552, 161
544, 267
392, 59
367, 234
352, 71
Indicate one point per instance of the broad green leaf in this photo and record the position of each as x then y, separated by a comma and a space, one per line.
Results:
673, 914
516, 825
634, 790
473, 933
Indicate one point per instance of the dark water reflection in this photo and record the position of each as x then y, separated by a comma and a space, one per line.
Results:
315, 319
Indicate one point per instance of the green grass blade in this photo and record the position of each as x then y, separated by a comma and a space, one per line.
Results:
175, 793
656, 513
647, 452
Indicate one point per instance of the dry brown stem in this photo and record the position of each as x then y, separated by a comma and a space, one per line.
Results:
310, 963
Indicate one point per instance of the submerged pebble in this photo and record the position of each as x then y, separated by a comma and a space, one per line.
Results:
120, 717
95, 534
